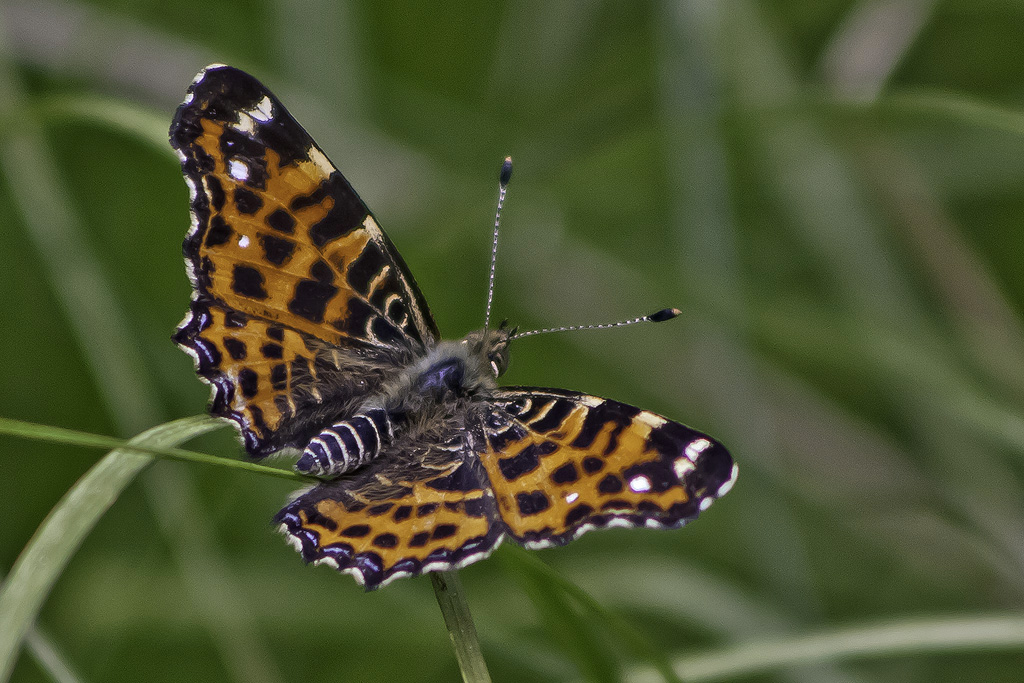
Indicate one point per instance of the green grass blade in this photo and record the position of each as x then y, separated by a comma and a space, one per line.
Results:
917, 105
914, 636
451, 598
49, 658
29, 430
112, 113
59, 536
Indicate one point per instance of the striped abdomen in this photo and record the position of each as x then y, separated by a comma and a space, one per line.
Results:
346, 445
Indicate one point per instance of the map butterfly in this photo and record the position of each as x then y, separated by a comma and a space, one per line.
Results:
314, 336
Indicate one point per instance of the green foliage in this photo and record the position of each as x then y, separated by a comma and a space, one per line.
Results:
833, 195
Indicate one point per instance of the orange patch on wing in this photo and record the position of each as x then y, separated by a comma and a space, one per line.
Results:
591, 480
283, 259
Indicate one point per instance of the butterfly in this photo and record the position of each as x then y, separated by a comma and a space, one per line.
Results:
314, 336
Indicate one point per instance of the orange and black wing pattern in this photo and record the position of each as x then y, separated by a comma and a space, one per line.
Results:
541, 466
293, 280
561, 463
422, 506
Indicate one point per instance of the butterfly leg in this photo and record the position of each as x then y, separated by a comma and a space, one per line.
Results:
348, 444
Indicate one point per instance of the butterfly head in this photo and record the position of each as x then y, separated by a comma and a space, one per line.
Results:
490, 348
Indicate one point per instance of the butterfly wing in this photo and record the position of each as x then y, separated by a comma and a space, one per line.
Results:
541, 465
420, 506
281, 244
561, 463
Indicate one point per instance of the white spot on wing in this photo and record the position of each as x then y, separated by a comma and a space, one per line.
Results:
329, 561
696, 447
238, 170
681, 466
245, 124
243, 241
191, 189
727, 486
320, 161
571, 497
651, 420
640, 484
264, 111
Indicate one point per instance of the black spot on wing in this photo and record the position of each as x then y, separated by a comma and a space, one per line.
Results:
235, 348
385, 541
248, 382
610, 484
532, 503
282, 221
216, 191
235, 319
218, 233
566, 474
279, 377
248, 202
356, 531
526, 461
272, 351
312, 295
365, 267
277, 250
444, 531
248, 281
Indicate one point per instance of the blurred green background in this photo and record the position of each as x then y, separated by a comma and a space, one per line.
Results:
832, 191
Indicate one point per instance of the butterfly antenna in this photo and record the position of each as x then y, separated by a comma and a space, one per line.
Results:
503, 178
656, 317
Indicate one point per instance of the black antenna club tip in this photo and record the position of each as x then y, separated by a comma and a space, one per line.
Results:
663, 315
506, 172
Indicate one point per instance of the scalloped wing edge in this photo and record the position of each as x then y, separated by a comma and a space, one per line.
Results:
364, 566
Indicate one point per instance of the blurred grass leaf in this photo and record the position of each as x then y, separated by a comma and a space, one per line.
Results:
58, 537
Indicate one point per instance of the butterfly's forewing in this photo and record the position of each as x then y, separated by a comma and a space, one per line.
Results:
418, 507
281, 241
561, 462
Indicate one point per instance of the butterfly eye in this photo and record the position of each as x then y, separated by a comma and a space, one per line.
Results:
499, 362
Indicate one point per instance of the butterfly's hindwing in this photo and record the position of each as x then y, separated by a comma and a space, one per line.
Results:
418, 507
561, 463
